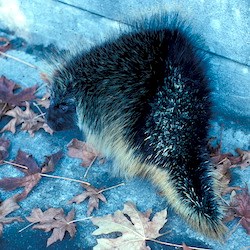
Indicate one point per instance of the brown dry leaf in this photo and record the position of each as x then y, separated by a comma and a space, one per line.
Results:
30, 121
136, 228
4, 146
93, 195
51, 161
37, 215
32, 173
44, 101
224, 176
244, 159
239, 207
185, 247
8, 96
80, 149
5, 44
7, 207
53, 219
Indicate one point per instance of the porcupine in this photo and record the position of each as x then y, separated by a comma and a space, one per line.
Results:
143, 98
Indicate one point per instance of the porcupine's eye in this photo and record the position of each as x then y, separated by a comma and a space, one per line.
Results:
61, 116
63, 108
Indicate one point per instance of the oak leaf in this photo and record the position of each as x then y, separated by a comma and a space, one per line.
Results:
53, 219
7, 207
29, 120
244, 159
4, 146
224, 176
93, 195
32, 173
239, 207
136, 228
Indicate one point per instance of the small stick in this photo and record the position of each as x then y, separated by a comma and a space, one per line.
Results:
42, 113
105, 189
41, 86
65, 178
4, 106
174, 245
47, 175
15, 164
31, 224
18, 60
234, 228
73, 221
85, 175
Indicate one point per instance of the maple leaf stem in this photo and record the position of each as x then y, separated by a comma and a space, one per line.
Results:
41, 113
41, 86
105, 189
65, 178
15, 164
73, 221
223, 200
234, 228
4, 106
31, 224
85, 175
18, 60
174, 245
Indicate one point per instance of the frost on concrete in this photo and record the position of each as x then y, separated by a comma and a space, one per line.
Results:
230, 94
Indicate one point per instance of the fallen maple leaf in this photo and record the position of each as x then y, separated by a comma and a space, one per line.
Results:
53, 219
93, 195
239, 207
8, 96
4, 146
136, 228
7, 207
30, 121
80, 149
51, 161
32, 173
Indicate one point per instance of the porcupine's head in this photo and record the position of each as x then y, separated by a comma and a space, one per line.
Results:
61, 114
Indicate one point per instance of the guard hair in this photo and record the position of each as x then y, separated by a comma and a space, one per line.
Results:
143, 98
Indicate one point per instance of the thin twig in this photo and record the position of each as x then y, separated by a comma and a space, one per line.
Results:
18, 60
234, 228
38, 116
105, 189
4, 106
65, 178
15, 164
42, 113
31, 224
47, 175
41, 86
73, 221
85, 175
175, 245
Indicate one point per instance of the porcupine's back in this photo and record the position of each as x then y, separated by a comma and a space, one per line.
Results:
145, 97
